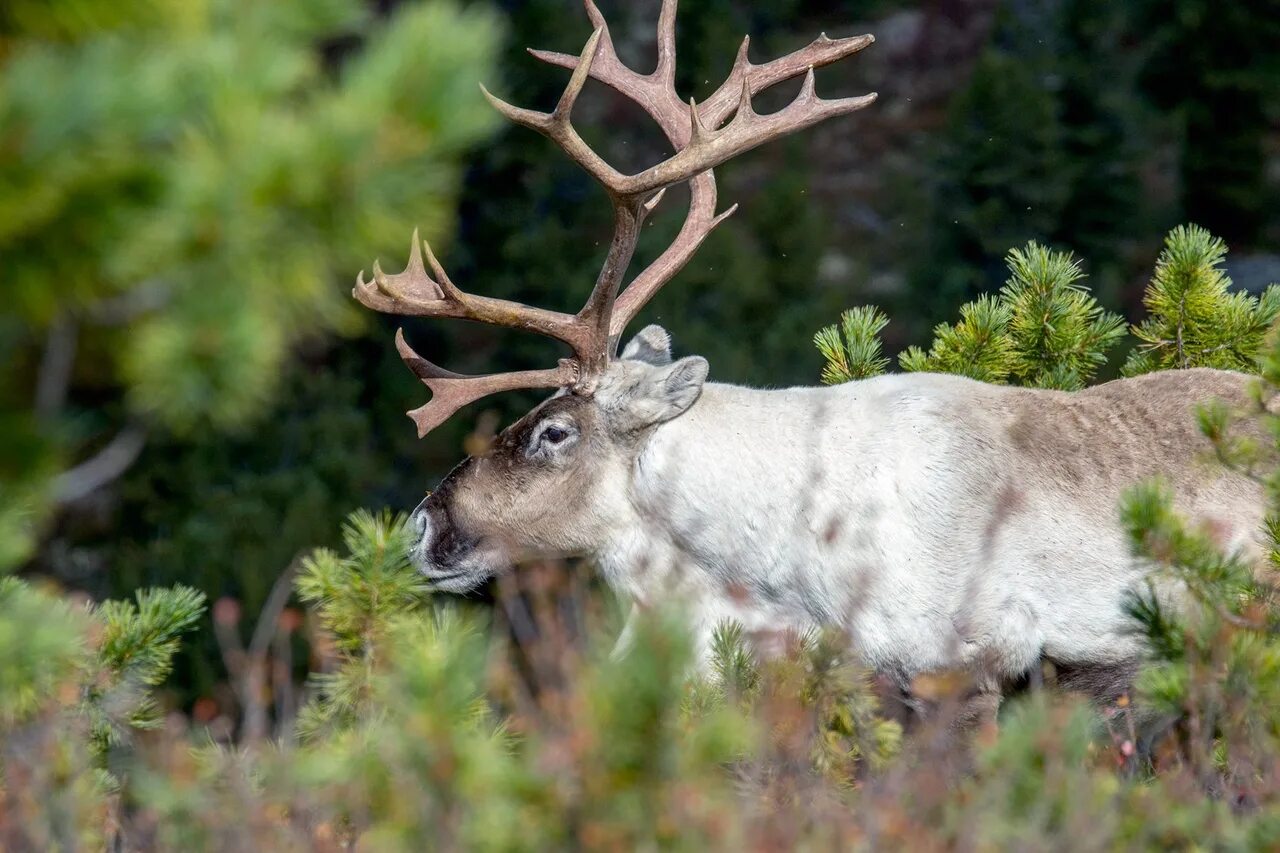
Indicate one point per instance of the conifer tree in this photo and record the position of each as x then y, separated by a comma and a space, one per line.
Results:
1058, 332
99, 663
358, 598
135, 646
978, 346
76, 682
1195, 319
1043, 329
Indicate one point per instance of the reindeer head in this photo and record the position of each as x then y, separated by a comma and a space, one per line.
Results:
555, 481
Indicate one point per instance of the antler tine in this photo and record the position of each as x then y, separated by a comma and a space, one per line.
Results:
451, 391
666, 67
593, 14
556, 125
655, 95
821, 51
414, 293
411, 286
745, 132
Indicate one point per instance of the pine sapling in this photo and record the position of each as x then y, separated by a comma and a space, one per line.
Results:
357, 598
1196, 320
138, 640
1060, 334
1042, 330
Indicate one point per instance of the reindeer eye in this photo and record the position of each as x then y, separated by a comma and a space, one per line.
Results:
555, 434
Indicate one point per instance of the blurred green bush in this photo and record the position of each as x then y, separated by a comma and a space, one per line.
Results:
186, 190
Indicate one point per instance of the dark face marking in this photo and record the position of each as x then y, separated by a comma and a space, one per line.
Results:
497, 500
516, 445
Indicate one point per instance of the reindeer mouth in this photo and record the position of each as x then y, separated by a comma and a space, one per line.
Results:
456, 582
450, 562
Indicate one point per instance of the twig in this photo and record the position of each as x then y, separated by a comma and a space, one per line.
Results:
108, 464
254, 723
118, 310
54, 375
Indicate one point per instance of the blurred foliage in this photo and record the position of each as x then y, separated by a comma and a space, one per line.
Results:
186, 185
1212, 70
135, 648
1095, 125
1046, 141
1216, 670
76, 689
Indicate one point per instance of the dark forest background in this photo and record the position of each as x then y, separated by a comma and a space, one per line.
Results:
1090, 126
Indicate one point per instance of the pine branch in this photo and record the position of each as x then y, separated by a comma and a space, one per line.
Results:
978, 346
853, 350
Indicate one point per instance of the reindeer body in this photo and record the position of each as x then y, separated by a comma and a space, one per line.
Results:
944, 522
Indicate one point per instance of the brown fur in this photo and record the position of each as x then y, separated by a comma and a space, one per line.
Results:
1092, 445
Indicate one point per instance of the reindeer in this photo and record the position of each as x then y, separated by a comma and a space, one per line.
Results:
945, 523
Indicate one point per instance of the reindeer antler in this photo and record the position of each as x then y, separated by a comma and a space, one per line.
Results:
702, 140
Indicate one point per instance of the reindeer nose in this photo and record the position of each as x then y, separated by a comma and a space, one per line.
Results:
419, 518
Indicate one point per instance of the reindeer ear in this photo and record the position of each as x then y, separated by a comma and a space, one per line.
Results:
659, 394
652, 345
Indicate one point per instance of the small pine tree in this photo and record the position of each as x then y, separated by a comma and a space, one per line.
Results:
137, 642
75, 683
109, 657
1214, 660
357, 599
1196, 321
1060, 334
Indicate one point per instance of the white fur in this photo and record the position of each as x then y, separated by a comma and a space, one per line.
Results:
873, 506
